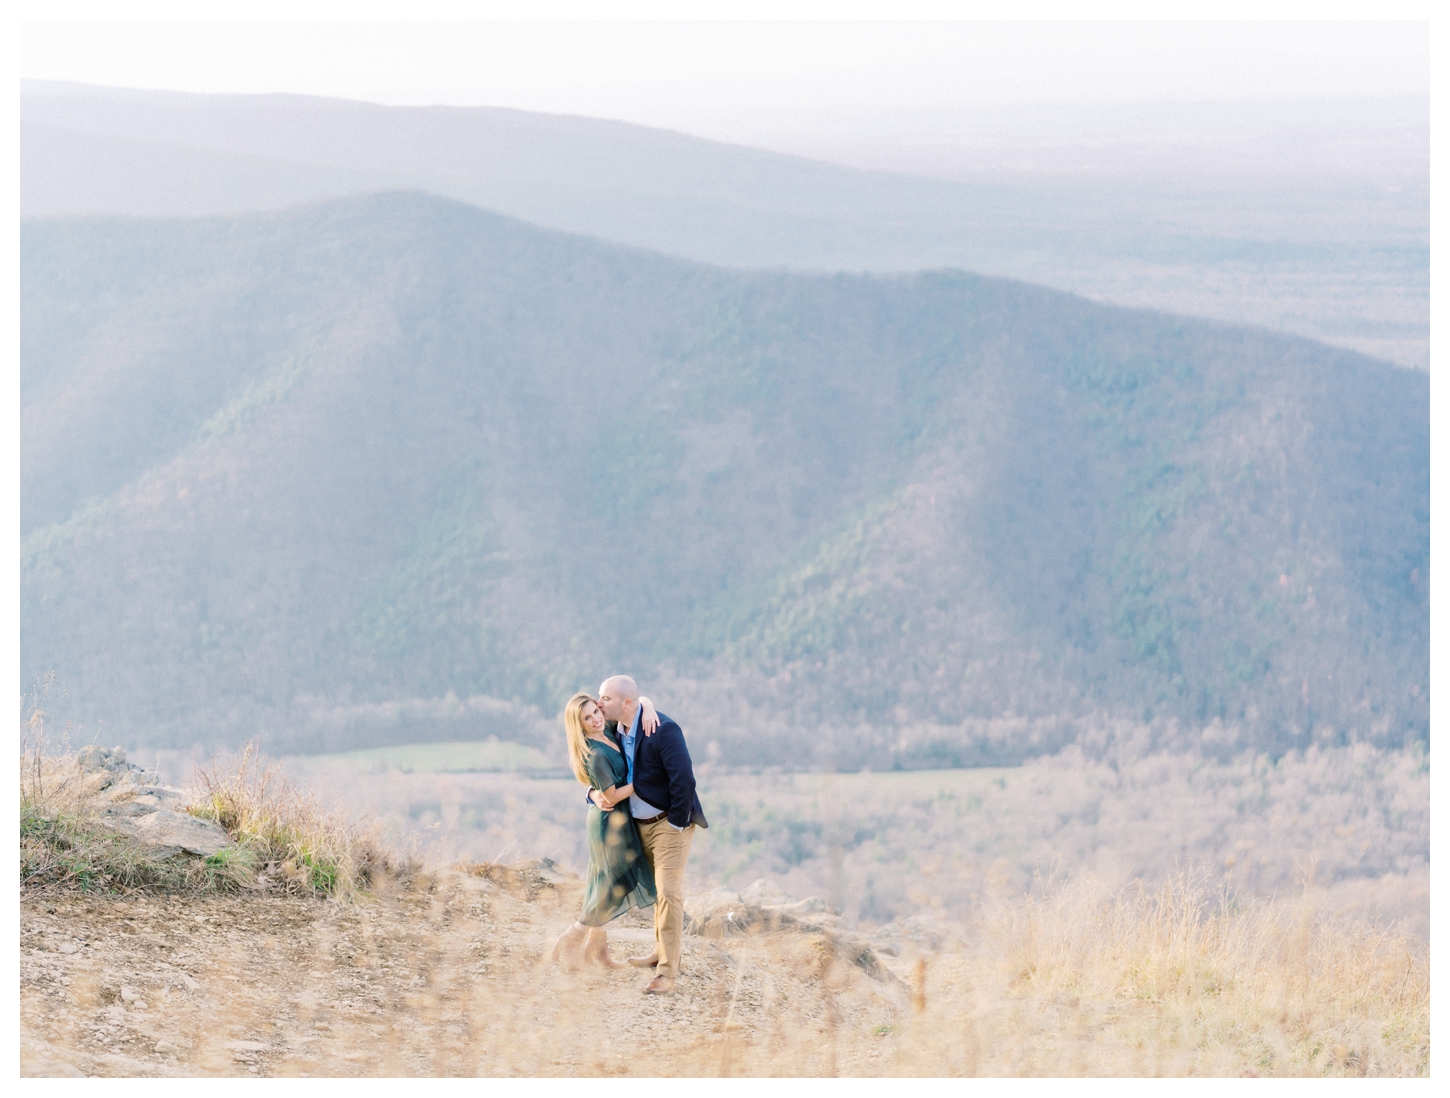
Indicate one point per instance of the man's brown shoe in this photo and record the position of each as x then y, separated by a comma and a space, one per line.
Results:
644, 962
660, 985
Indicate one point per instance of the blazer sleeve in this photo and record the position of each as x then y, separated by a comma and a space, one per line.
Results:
675, 757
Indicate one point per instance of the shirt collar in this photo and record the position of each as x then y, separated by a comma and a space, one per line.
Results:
634, 724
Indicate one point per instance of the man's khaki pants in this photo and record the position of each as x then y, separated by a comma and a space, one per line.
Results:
667, 851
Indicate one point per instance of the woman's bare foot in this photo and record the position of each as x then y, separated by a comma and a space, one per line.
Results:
598, 949
644, 962
568, 944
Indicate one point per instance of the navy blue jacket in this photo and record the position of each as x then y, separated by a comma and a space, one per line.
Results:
663, 774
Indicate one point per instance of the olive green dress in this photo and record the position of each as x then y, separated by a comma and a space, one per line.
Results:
619, 875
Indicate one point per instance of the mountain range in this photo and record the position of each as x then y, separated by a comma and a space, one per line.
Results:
1291, 241
392, 466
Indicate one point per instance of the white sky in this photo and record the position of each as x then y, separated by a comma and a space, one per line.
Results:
684, 74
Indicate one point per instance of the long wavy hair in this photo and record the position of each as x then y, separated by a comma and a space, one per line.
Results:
575, 736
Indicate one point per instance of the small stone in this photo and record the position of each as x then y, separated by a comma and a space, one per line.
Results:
130, 995
166, 1048
66, 947
191, 985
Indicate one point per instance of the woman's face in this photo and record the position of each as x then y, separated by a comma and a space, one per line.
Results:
593, 719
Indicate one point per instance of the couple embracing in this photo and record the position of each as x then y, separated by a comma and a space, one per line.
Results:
642, 817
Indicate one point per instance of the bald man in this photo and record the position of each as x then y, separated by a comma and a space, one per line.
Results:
666, 810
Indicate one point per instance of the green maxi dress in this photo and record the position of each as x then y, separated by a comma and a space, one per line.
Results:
619, 875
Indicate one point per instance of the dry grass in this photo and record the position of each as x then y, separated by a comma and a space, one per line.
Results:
451, 977
282, 839
448, 975
295, 843
64, 847
1175, 981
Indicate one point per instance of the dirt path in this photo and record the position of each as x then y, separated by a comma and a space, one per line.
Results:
449, 980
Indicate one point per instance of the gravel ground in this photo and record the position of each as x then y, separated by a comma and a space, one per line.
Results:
449, 978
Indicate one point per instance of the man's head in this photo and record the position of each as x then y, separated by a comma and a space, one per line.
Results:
618, 699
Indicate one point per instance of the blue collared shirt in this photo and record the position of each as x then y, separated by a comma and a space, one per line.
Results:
638, 806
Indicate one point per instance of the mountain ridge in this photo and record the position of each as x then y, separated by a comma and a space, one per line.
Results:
1343, 263
385, 422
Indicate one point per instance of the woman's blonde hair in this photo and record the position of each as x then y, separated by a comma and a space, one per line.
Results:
575, 736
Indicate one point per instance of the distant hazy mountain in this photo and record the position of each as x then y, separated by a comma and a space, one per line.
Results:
298, 472
1343, 261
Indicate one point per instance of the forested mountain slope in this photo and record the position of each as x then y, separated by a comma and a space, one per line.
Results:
286, 472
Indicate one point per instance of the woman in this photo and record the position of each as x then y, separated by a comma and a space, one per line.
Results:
619, 876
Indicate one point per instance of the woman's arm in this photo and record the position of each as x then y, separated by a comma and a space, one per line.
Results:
610, 797
649, 720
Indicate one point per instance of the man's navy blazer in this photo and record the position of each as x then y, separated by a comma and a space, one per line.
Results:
663, 774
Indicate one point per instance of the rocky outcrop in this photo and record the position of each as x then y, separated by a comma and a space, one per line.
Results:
525, 878
764, 909
129, 801
167, 834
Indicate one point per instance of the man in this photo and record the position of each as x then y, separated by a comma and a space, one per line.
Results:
666, 810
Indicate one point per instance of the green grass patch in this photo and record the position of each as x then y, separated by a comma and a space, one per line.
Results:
68, 852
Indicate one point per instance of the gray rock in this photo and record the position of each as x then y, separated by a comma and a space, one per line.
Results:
92, 758
811, 905
112, 759
740, 919
168, 797
166, 834
708, 901
128, 797
527, 877
547, 869
854, 951
166, 1048
762, 892
127, 807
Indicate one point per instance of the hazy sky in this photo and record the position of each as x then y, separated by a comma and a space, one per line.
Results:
694, 75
